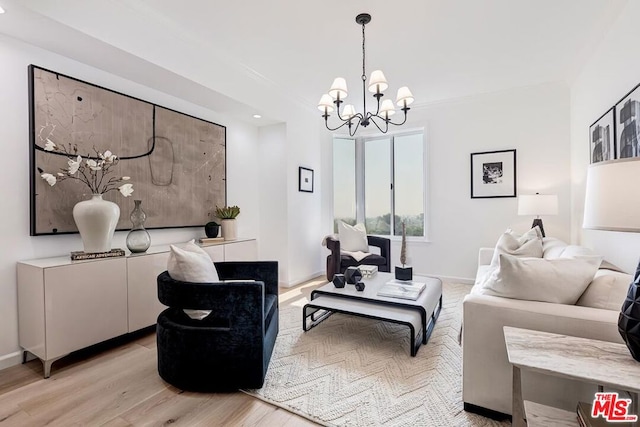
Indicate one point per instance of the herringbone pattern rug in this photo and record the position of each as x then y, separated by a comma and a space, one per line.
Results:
350, 371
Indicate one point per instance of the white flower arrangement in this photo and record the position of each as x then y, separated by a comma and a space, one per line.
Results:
92, 171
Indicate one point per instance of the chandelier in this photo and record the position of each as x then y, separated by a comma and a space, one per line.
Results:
377, 83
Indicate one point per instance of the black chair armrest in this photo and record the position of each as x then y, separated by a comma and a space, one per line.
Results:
264, 271
381, 242
333, 245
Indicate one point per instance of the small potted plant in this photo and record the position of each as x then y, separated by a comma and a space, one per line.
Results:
227, 215
404, 272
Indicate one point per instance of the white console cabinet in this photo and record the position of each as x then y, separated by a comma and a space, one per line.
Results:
66, 305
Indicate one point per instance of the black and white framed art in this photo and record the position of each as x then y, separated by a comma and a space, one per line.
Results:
602, 137
305, 180
627, 115
493, 174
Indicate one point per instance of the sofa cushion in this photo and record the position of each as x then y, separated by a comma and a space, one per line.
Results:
607, 290
537, 279
353, 238
527, 245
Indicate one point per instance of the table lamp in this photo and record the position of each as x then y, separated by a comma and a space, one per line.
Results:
612, 202
538, 204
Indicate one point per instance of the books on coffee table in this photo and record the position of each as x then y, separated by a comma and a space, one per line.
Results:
402, 289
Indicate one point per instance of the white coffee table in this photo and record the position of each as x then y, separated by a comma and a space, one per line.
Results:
419, 315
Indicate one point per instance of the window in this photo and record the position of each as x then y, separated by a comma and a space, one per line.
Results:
344, 181
386, 176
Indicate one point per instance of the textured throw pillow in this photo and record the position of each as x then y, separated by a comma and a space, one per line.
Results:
190, 263
353, 238
527, 245
559, 281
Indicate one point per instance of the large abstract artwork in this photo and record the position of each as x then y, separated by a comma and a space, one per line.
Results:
176, 162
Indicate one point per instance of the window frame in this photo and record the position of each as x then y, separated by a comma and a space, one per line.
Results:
360, 153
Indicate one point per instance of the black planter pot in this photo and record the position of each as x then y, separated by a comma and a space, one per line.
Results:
629, 319
211, 229
404, 273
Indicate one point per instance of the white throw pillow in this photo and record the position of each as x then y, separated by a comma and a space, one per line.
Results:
190, 263
607, 290
559, 281
527, 245
353, 238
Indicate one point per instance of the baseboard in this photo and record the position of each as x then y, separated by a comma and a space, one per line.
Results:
10, 359
489, 413
299, 281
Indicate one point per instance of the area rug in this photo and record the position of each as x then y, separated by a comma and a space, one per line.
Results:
351, 371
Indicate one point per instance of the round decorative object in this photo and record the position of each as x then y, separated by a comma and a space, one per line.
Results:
629, 319
229, 229
211, 229
339, 280
353, 275
96, 220
138, 239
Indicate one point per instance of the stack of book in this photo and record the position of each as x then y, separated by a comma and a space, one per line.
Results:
80, 255
206, 241
368, 271
402, 289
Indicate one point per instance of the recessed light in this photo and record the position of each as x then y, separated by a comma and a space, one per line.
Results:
257, 116
1, 9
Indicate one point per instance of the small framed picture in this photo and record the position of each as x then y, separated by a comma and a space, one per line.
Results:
602, 137
305, 180
493, 174
627, 115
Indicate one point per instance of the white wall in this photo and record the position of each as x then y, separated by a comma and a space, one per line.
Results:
533, 120
15, 56
609, 74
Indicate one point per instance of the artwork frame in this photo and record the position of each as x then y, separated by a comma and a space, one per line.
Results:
493, 174
175, 161
305, 180
627, 116
602, 138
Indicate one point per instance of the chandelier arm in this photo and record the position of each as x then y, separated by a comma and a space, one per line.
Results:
396, 124
386, 128
354, 129
326, 123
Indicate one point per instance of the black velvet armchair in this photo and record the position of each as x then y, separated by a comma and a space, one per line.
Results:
231, 347
338, 263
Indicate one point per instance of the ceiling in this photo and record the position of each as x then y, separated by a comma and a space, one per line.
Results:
441, 49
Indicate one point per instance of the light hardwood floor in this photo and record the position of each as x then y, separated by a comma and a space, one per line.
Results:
118, 385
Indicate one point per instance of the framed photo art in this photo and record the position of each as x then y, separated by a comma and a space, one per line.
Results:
493, 174
305, 180
628, 127
602, 137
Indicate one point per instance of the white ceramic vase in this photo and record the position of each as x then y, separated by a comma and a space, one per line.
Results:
229, 229
96, 220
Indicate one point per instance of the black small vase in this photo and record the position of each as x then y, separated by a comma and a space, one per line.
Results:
404, 273
211, 229
629, 319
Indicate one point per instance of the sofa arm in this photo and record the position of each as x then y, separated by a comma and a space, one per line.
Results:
487, 373
485, 255
263, 271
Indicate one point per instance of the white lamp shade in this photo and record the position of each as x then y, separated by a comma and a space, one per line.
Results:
348, 111
612, 199
377, 82
338, 88
387, 108
326, 103
538, 204
404, 97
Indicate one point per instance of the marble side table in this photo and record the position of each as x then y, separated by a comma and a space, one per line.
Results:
599, 362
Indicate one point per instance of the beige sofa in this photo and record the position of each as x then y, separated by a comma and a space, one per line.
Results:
487, 383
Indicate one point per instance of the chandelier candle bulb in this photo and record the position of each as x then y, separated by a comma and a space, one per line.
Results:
338, 88
377, 82
404, 97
